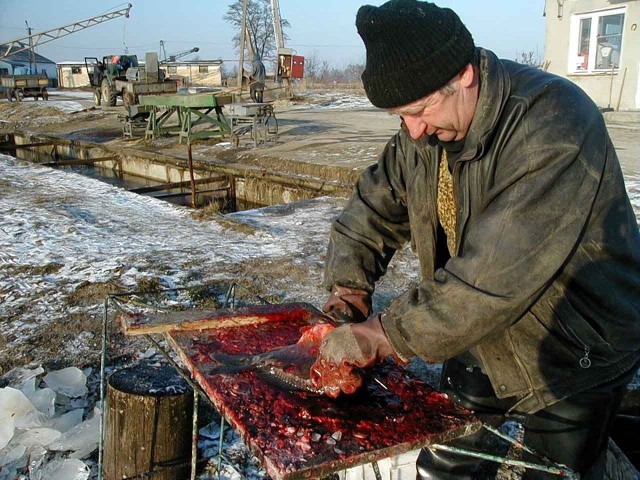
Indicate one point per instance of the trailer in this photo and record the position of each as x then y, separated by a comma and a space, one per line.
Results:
16, 87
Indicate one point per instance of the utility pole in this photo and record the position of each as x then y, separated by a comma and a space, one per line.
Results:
242, 37
32, 54
277, 30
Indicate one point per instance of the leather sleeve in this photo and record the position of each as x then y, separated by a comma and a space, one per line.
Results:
373, 225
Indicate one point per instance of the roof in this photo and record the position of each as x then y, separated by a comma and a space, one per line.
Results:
23, 57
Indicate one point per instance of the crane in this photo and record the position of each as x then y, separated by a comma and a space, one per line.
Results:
18, 45
173, 57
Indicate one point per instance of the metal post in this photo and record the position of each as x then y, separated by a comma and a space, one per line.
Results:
103, 361
191, 176
242, 35
32, 54
220, 443
194, 435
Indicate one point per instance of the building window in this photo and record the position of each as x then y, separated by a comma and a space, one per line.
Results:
203, 68
596, 41
4, 71
172, 69
76, 70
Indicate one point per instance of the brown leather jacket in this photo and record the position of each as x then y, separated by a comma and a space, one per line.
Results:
545, 287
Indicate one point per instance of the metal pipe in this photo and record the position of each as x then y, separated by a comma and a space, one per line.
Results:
566, 472
103, 360
220, 443
191, 176
194, 435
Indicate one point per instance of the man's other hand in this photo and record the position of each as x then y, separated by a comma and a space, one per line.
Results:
346, 305
346, 349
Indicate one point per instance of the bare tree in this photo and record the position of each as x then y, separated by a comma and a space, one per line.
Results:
528, 58
259, 25
312, 66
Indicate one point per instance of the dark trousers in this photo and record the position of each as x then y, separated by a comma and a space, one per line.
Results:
257, 93
573, 432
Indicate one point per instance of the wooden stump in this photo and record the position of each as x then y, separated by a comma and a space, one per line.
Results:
148, 424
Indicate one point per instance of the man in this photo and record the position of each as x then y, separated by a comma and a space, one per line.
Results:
258, 76
505, 181
98, 74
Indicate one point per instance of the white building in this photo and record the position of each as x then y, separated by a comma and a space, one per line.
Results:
596, 44
19, 64
195, 73
73, 75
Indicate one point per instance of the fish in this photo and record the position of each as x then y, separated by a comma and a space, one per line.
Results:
287, 368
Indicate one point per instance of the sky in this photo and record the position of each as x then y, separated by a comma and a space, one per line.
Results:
325, 28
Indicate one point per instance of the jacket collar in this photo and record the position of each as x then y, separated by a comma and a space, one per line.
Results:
495, 87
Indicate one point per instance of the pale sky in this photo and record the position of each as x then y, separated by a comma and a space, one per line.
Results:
326, 27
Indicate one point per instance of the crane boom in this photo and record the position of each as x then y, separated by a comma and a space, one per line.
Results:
19, 45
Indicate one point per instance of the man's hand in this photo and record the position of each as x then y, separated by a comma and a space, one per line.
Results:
346, 305
345, 349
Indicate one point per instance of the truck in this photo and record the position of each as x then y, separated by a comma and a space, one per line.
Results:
16, 87
122, 76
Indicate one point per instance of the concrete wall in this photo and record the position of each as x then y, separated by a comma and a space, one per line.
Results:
561, 50
68, 79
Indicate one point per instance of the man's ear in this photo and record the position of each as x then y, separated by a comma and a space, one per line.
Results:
467, 76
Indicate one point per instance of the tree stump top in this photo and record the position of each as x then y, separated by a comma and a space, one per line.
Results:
148, 380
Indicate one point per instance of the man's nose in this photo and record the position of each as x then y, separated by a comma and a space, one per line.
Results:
415, 125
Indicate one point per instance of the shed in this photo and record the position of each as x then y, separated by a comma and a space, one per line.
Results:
195, 73
596, 44
72, 74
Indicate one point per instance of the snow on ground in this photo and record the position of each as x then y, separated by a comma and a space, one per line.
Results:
96, 232
65, 106
79, 94
335, 101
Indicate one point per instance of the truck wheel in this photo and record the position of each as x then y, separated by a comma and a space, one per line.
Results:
128, 99
108, 94
97, 97
45, 94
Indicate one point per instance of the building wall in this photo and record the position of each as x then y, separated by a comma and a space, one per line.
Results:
192, 77
68, 79
561, 50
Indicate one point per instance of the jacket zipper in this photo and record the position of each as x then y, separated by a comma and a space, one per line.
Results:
585, 361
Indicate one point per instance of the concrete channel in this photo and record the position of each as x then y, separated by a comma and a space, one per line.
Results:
230, 187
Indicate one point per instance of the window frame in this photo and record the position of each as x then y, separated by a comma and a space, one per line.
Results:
574, 40
203, 68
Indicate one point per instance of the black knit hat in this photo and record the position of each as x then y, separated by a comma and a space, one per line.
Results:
413, 49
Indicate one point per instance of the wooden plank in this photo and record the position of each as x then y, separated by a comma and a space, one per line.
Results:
79, 161
298, 435
140, 324
169, 186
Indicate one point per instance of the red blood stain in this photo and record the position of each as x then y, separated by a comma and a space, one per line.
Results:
299, 430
